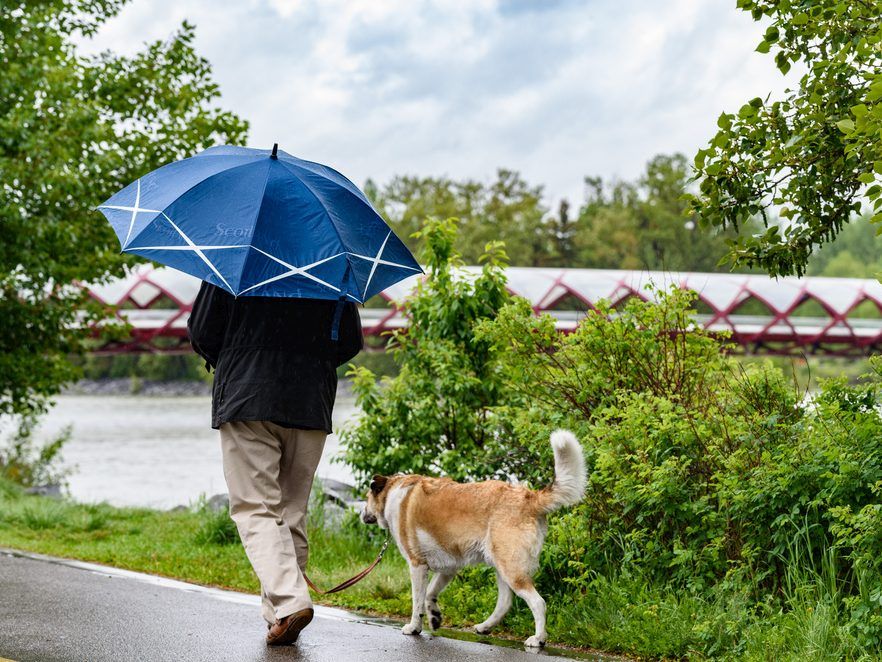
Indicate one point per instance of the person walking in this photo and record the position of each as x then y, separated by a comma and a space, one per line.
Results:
275, 382
284, 247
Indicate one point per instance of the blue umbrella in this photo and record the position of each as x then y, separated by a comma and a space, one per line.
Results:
261, 223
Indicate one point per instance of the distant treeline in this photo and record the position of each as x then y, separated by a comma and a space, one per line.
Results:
639, 224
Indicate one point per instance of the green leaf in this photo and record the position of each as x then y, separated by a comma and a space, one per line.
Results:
782, 62
747, 111
813, 143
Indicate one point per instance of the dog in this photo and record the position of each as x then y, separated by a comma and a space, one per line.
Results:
444, 526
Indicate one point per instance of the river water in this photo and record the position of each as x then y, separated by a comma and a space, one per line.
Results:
153, 451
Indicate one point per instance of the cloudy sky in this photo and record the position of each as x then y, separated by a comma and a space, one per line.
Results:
557, 89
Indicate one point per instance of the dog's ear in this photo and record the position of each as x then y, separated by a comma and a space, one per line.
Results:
378, 483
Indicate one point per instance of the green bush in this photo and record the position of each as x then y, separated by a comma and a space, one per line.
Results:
437, 409
216, 527
859, 534
719, 486
701, 470
25, 462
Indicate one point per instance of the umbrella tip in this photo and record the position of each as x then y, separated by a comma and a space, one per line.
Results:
275, 153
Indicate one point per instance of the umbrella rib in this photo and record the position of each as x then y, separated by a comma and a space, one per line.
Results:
318, 200
199, 252
374, 265
135, 211
187, 248
385, 262
199, 183
285, 275
122, 208
294, 271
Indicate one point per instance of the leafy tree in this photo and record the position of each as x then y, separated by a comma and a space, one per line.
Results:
508, 209
511, 211
626, 225
562, 230
73, 130
406, 201
435, 415
815, 155
644, 224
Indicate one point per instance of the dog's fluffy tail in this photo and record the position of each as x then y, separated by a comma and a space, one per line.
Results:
570, 477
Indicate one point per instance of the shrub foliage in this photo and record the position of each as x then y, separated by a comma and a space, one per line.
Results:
705, 475
438, 409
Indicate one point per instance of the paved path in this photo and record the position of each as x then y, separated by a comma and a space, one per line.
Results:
65, 610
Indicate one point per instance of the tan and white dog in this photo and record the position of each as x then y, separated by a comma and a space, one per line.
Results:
443, 526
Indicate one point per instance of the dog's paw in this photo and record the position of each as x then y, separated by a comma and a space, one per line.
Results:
434, 618
480, 628
410, 628
534, 642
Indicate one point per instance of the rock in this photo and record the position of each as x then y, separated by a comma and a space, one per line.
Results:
339, 498
51, 490
218, 503
340, 493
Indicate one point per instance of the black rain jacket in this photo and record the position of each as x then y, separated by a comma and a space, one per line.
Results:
274, 358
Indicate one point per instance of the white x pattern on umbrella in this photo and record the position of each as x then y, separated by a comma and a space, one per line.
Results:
193, 247
292, 270
377, 259
137, 209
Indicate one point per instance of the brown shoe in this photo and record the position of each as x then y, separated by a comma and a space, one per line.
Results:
286, 630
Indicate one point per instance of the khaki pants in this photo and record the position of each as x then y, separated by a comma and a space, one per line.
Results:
269, 471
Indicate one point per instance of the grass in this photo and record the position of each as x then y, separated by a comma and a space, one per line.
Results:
617, 614
196, 545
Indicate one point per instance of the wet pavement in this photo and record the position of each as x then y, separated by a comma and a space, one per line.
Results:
53, 609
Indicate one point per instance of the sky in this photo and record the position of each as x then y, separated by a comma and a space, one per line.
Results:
556, 89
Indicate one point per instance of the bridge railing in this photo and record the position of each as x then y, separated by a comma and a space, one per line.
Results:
836, 316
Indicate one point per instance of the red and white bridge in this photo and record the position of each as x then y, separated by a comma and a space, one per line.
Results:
834, 316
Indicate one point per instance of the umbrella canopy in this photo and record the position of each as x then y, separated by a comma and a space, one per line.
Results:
261, 223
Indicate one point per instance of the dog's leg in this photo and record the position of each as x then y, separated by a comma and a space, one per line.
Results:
525, 589
503, 604
419, 575
438, 583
